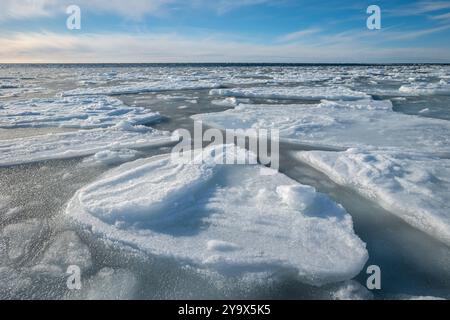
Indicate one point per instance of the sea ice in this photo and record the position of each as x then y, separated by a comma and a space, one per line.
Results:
73, 112
411, 185
78, 143
339, 124
143, 87
440, 88
229, 219
294, 93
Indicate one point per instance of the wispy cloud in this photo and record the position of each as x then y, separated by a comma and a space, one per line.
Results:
419, 8
51, 47
445, 16
298, 35
416, 33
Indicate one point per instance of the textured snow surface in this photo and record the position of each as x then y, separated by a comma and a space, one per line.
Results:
302, 93
413, 186
339, 124
226, 218
72, 112
77, 144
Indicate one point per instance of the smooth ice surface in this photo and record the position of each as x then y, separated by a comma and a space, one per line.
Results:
302, 93
413, 186
77, 144
229, 219
339, 124
72, 112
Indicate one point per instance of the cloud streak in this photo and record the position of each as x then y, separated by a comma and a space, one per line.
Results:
56, 48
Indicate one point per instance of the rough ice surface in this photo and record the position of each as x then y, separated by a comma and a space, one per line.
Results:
72, 112
413, 186
77, 144
229, 219
352, 290
107, 284
112, 157
440, 88
142, 87
339, 124
294, 93
65, 250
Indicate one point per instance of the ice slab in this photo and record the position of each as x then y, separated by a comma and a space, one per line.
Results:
411, 185
146, 86
339, 124
228, 219
425, 88
294, 93
78, 144
72, 112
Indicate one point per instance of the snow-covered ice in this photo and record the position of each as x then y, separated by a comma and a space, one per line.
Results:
411, 185
294, 93
339, 124
72, 112
78, 144
229, 219
143, 87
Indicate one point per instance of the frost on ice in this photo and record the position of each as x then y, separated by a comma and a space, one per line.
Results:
73, 112
80, 143
412, 185
228, 219
338, 124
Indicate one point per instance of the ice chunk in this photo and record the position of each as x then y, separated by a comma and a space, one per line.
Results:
297, 93
352, 290
413, 186
440, 88
73, 112
142, 87
112, 157
229, 219
77, 144
340, 125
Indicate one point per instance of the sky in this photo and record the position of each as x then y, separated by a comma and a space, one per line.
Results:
285, 31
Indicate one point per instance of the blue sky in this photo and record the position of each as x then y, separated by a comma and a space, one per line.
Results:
224, 31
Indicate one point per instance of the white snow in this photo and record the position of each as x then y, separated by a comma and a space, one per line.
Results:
339, 124
440, 88
77, 144
411, 185
111, 157
145, 86
229, 219
352, 290
72, 112
301, 93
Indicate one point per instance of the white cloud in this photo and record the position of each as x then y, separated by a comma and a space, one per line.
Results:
298, 35
51, 47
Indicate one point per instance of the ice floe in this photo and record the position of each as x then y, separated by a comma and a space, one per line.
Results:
339, 124
72, 112
294, 93
79, 143
229, 219
440, 88
143, 87
411, 185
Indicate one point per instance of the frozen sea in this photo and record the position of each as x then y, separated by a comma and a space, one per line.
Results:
86, 180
